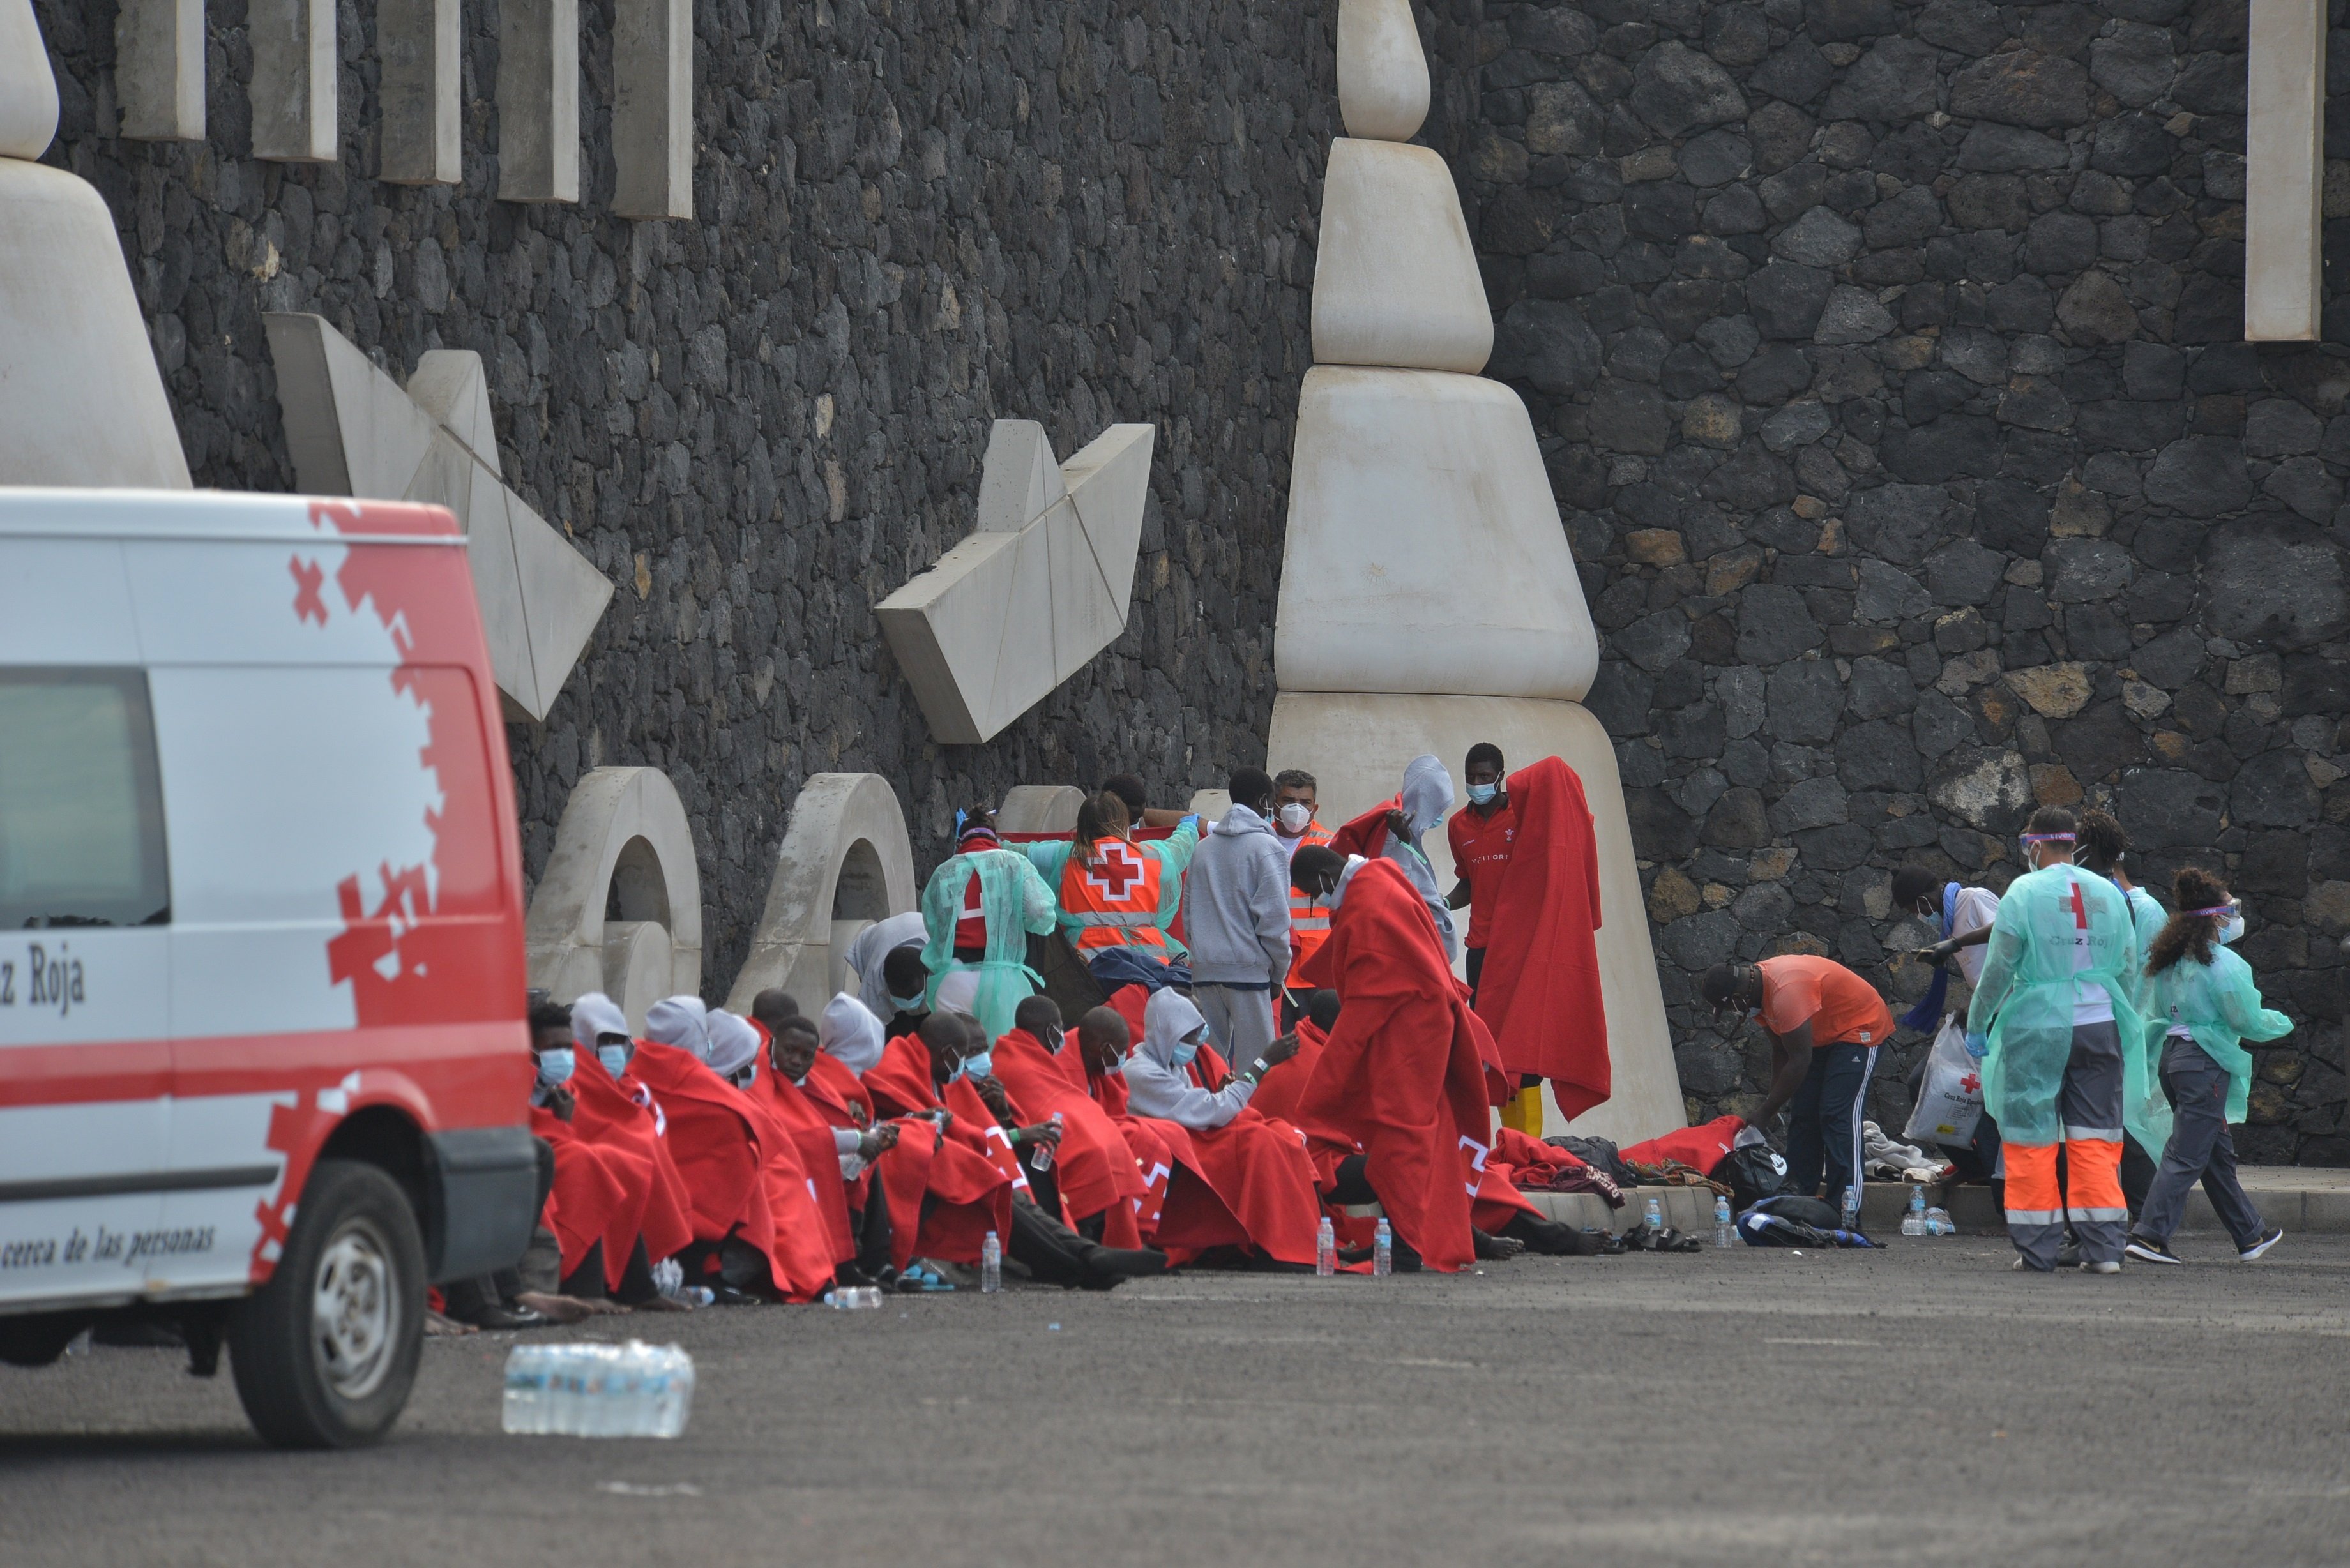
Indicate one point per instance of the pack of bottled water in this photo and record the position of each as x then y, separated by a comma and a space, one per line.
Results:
632, 1390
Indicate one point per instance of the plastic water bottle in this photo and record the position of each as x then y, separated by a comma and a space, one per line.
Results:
1938, 1222
1042, 1159
1913, 1219
991, 1264
1653, 1216
1382, 1251
1852, 1207
669, 1278
854, 1298
1725, 1234
636, 1390
1325, 1249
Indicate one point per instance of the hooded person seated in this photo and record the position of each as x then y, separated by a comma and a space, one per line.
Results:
808, 1216
851, 1034
1242, 1182
906, 983
611, 1110
849, 1137
869, 953
1408, 1076
1097, 1064
714, 1139
1090, 1170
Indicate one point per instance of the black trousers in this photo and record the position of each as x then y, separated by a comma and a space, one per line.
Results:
467, 1297
1056, 1255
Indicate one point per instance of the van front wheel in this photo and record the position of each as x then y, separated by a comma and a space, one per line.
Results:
325, 1353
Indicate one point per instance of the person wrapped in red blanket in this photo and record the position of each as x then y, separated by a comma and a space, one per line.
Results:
1255, 1188
1097, 1065
942, 1077
798, 1165
1091, 1171
613, 1111
820, 1103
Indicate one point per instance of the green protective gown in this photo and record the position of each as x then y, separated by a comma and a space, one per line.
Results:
2149, 1114
1015, 902
2024, 1000
2218, 1004
1174, 853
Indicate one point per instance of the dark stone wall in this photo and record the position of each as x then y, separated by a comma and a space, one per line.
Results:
914, 217
1888, 360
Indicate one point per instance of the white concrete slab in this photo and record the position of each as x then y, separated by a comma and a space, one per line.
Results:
1110, 481
539, 100
293, 90
1356, 746
623, 836
451, 386
1039, 809
845, 861
1382, 70
2284, 171
1024, 670
1085, 619
652, 109
421, 141
1395, 276
159, 70
81, 400
29, 92
945, 626
563, 595
1019, 477
1425, 551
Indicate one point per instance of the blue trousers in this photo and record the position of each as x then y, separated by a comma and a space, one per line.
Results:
1823, 1120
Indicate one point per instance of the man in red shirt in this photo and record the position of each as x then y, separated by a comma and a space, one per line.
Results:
1481, 836
1826, 1024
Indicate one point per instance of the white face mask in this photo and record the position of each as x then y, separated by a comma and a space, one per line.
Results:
2231, 927
1297, 817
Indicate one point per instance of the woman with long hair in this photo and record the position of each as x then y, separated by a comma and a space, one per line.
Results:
1113, 892
2205, 1004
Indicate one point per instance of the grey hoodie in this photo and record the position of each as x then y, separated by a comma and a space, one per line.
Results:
1427, 796
1236, 903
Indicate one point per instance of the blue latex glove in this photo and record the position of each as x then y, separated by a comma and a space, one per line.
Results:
1193, 819
1978, 1047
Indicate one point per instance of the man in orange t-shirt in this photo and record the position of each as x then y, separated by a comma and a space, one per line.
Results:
1826, 1024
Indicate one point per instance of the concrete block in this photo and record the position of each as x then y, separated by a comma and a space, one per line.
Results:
294, 86
845, 862
623, 838
1210, 805
80, 398
28, 91
637, 961
2285, 171
563, 597
539, 100
1356, 746
1021, 605
652, 109
1039, 809
349, 429
451, 386
422, 76
1425, 552
1110, 481
159, 70
1396, 280
1382, 70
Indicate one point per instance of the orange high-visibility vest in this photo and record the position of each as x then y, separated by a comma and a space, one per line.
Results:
1309, 924
1110, 891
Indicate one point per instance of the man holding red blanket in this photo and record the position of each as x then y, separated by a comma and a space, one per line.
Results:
1092, 1170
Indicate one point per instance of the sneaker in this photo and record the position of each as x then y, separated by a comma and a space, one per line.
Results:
2247, 1255
2105, 1266
2146, 1251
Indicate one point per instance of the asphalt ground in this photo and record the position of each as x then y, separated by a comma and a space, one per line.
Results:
1921, 1405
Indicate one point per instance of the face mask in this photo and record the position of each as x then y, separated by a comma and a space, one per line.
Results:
906, 1003
555, 1066
978, 1065
614, 1057
1053, 1038
1482, 794
1297, 817
1117, 1069
1185, 1050
2231, 927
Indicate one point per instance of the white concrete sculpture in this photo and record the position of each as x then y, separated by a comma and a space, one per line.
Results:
846, 861
293, 93
623, 838
423, 84
1039, 809
81, 400
351, 431
1042, 586
159, 70
652, 109
539, 100
1429, 599
2284, 171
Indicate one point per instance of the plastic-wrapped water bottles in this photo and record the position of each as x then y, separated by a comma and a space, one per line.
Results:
991, 1264
1382, 1251
1654, 1216
854, 1298
1938, 1222
1725, 1234
636, 1390
1325, 1249
1042, 1159
1913, 1219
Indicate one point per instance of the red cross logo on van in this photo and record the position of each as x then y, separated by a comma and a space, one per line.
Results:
1114, 867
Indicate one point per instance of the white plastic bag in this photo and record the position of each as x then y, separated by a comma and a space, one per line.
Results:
1949, 1099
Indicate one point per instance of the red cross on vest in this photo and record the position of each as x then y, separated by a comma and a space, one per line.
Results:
2080, 910
1114, 867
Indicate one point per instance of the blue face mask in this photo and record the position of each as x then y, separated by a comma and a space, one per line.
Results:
614, 1057
1482, 794
2231, 927
555, 1066
1186, 1049
978, 1065
906, 1003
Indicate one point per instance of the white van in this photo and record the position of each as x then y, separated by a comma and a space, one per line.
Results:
263, 1062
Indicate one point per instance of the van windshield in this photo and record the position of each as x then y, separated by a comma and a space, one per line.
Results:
81, 808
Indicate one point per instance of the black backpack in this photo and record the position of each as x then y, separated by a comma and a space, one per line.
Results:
1753, 1174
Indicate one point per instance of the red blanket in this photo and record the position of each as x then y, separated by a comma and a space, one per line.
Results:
1284, 1085
1094, 1168
945, 1189
1366, 835
1700, 1147
624, 1114
599, 1195
1539, 991
1403, 1076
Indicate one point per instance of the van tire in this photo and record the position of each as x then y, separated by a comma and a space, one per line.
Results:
311, 1379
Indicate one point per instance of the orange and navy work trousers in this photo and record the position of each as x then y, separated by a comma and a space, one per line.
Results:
2089, 1101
